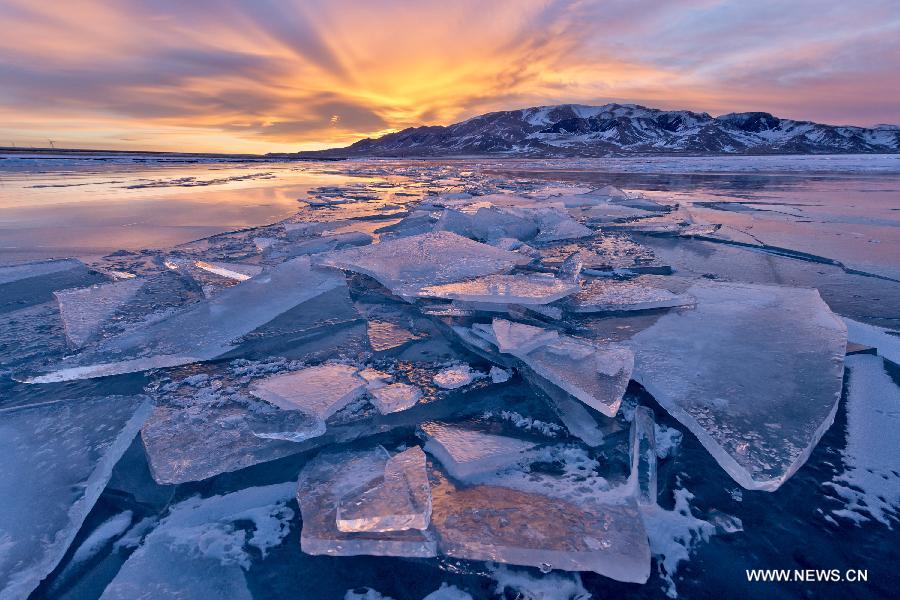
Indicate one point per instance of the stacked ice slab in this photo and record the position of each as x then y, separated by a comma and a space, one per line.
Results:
472, 504
366, 502
597, 375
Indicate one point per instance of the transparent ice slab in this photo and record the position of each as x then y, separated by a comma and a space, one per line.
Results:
467, 453
531, 288
201, 549
236, 271
205, 330
85, 310
605, 294
487, 223
318, 391
754, 371
493, 523
595, 375
519, 338
400, 500
328, 478
57, 458
406, 265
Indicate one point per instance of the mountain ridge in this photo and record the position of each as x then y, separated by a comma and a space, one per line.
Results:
580, 130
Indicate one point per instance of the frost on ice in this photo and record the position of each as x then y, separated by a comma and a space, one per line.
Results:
754, 371
202, 547
73, 445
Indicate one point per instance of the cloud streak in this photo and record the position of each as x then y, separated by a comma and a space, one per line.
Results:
276, 75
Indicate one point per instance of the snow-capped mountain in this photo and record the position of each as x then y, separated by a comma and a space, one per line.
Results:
615, 129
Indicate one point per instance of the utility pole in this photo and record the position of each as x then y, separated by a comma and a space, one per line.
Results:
51, 144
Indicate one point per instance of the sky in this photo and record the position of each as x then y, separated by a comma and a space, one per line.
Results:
288, 75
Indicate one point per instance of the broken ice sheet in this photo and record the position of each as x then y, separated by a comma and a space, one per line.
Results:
203, 331
640, 293
73, 445
529, 288
85, 310
319, 391
523, 527
395, 397
400, 500
406, 265
328, 478
595, 375
754, 371
202, 547
34, 283
466, 453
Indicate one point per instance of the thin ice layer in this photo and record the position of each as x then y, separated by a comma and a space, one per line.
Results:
531, 288
466, 453
201, 548
57, 458
406, 265
328, 478
754, 371
595, 375
202, 331
400, 500
85, 310
318, 391
605, 294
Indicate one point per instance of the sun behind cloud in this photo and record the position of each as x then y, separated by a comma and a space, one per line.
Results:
259, 76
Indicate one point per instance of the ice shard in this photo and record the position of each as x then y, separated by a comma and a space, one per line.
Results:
202, 547
85, 310
643, 456
595, 375
329, 478
398, 501
384, 335
236, 271
467, 453
532, 288
395, 397
406, 265
57, 458
605, 294
318, 391
203, 331
754, 371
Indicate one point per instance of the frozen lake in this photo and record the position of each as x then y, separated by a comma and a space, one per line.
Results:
475, 378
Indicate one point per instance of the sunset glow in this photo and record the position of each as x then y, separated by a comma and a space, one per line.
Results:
269, 75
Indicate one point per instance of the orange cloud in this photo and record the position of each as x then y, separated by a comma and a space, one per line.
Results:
269, 75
